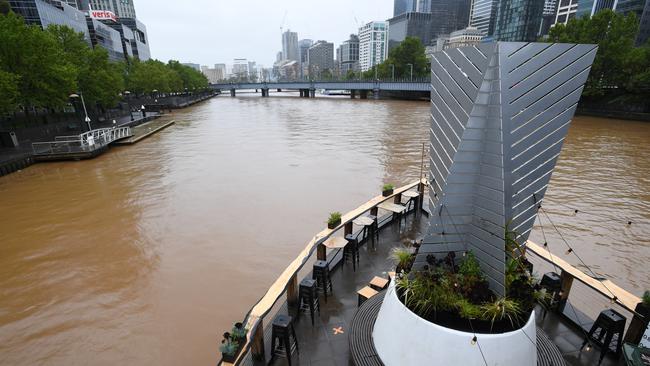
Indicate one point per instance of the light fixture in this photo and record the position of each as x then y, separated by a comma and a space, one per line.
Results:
569, 251
474, 340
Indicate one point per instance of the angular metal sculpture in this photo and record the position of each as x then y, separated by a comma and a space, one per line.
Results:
500, 113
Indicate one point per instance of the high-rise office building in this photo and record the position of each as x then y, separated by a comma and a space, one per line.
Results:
121, 8
348, 55
373, 44
303, 49
403, 6
290, 46
519, 20
566, 11
483, 16
240, 68
591, 7
321, 58
433, 18
196, 67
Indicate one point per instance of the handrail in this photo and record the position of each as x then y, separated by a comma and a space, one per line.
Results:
273, 294
605, 287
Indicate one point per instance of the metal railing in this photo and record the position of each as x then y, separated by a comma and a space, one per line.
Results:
86, 142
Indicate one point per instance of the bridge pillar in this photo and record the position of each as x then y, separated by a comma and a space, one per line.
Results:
312, 93
363, 94
279, 90
265, 93
304, 93
232, 93
375, 93
353, 94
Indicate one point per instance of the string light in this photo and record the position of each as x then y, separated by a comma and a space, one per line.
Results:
545, 244
588, 347
474, 340
569, 251
613, 300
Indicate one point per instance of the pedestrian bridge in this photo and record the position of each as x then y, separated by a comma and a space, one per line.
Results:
308, 88
76, 147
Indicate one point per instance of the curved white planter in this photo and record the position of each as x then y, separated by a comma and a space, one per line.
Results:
403, 338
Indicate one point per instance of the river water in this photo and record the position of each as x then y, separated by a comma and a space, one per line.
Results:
148, 253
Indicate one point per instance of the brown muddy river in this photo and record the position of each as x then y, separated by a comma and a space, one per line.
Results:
148, 253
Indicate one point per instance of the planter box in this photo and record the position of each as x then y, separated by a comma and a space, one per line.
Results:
401, 337
333, 226
387, 193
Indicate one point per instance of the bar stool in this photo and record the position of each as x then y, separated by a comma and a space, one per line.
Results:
308, 295
552, 282
609, 323
351, 250
284, 332
321, 273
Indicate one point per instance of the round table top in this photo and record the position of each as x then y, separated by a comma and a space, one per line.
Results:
363, 221
410, 194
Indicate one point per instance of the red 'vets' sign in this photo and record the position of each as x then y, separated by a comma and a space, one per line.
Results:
103, 14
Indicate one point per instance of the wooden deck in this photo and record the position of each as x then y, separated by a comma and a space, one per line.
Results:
145, 130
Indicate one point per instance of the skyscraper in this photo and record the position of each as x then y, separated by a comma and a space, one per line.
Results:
321, 58
641, 8
373, 44
403, 6
348, 55
591, 7
565, 11
483, 14
303, 49
519, 20
290, 45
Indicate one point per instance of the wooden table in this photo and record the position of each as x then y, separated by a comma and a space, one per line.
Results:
335, 243
392, 207
410, 194
363, 221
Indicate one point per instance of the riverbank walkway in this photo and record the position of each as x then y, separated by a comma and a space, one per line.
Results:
145, 130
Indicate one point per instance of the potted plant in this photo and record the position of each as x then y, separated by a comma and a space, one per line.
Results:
403, 259
334, 220
387, 190
229, 348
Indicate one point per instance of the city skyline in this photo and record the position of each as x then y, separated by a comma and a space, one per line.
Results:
206, 32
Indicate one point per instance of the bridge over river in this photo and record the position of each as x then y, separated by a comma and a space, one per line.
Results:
308, 88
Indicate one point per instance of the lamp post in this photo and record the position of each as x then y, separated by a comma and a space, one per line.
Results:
392, 71
411, 66
83, 103
376, 68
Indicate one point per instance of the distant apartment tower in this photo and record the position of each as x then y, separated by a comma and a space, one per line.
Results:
121, 8
403, 6
519, 20
469, 36
240, 68
290, 46
348, 55
321, 58
483, 14
373, 44
303, 49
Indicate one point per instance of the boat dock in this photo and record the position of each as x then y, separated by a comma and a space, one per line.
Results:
145, 130
76, 147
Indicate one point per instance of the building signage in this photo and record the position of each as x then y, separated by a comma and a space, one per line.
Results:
103, 15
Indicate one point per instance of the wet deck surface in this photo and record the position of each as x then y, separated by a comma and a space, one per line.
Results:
326, 342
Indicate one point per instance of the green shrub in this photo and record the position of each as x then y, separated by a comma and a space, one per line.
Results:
387, 187
646, 298
470, 267
238, 331
468, 310
228, 347
335, 218
402, 257
501, 309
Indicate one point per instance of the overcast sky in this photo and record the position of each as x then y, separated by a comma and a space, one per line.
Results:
217, 31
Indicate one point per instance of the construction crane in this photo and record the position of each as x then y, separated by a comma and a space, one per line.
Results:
284, 20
